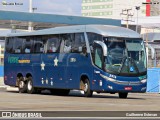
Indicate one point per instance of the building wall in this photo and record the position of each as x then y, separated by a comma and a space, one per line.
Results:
155, 8
111, 8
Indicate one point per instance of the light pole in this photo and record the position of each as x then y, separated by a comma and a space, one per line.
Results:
137, 8
30, 6
31, 10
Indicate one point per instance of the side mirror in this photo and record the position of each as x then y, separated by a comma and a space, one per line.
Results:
103, 45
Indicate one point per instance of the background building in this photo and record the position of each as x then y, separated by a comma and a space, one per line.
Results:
154, 7
111, 8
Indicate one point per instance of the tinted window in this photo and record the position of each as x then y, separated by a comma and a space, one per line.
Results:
39, 44
9, 45
17, 47
53, 44
79, 42
93, 36
28, 44
66, 43
98, 57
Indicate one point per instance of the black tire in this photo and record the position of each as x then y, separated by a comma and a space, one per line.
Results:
22, 85
61, 92
123, 95
87, 91
30, 88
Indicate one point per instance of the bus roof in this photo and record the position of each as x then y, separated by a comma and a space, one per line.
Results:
105, 30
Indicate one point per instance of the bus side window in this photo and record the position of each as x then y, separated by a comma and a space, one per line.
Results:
17, 46
78, 42
9, 45
38, 45
53, 44
92, 37
28, 45
66, 43
98, 57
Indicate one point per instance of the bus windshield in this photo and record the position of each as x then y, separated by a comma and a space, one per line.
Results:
126, 56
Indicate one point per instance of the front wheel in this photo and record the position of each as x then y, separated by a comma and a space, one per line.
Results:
87, 91
30, 88
123, 95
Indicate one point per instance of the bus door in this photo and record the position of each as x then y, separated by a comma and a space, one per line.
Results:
98, 62
72, 70
68, 59
76, 42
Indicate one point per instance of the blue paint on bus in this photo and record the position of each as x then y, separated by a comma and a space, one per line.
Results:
67, 70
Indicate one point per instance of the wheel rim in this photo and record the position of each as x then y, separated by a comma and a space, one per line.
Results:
29, 85
21, 84
85, 87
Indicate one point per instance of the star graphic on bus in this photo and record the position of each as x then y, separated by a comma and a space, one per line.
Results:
56, 62
42, 66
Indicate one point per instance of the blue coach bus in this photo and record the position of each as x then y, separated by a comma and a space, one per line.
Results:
97, 58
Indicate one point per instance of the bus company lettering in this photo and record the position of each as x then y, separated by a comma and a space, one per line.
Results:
24, 61
13, 59
16, 60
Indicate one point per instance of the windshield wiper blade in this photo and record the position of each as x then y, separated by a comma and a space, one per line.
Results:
122, 63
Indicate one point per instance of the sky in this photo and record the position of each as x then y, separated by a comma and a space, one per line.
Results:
62, 7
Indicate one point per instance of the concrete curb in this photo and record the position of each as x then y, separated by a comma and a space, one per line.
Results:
8, 88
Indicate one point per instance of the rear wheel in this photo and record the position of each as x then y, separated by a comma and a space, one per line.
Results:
87, 91
22, 85
30, 88
123, 95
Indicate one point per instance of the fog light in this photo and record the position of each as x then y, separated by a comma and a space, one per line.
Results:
144, 81
144, 88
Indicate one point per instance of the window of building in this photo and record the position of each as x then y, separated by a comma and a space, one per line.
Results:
2, 61
2, 51
95, 13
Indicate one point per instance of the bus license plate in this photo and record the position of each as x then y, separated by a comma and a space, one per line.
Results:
128, 88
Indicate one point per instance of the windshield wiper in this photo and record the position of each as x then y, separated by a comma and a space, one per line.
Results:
122, 63
131, 60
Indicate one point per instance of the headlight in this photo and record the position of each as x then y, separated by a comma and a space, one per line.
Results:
144, 81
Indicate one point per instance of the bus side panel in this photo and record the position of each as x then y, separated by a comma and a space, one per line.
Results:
16, 64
